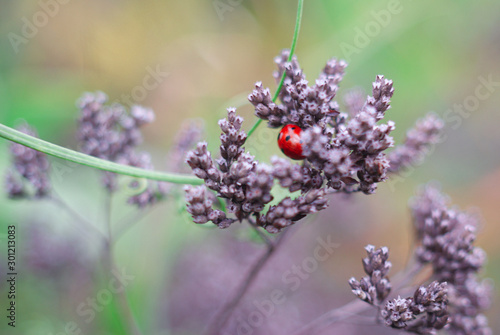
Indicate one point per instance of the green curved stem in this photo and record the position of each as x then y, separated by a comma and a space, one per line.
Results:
101, 164
292, 50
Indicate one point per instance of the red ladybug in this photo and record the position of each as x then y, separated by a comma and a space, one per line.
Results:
290, 141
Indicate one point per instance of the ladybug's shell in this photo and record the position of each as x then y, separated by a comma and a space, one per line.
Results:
290, 141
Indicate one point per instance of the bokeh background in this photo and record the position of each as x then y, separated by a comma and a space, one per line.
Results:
435, 51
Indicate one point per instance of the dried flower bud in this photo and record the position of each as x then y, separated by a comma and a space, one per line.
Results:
258, 190
232, 139
407, 313
293, 71
375, 287
265, 108
199, 206
397, 312
302, 105
290, 210
200, 160
382, 94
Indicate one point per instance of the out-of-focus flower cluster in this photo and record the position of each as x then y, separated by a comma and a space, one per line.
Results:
417, 143
53, 254
445, 237
110, 132
424, 313
342, 154
455, 300
29, 166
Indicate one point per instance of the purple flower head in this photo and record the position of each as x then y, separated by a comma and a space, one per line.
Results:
110, 132
27, 165
302, 104
445, 237
342, 153
374, 287
418, 141
424, 313
245, 184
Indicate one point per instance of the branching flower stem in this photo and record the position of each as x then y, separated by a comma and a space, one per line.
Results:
222, 316
83, 226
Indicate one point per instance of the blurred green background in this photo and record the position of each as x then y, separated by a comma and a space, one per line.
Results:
207, 60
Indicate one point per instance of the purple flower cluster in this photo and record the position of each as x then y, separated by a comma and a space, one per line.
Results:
244, 183
445, 239
347, 154
27, 165
424, 313
375, 287
342, 154
200, 206
302, 105
456, 299
110, 132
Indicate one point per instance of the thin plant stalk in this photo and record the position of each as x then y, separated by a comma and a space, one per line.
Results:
87, 160
292, 50
221, 318
108, 257
81, 223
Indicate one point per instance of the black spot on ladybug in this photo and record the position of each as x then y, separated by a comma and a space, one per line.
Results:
283, 151
293, 128
287, 138
279, 136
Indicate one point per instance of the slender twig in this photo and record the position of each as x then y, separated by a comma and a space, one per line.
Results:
127, 224
108, 257
262, 235
292, 50
101, 164
220, 319
107, 215
348, 310
85, 226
